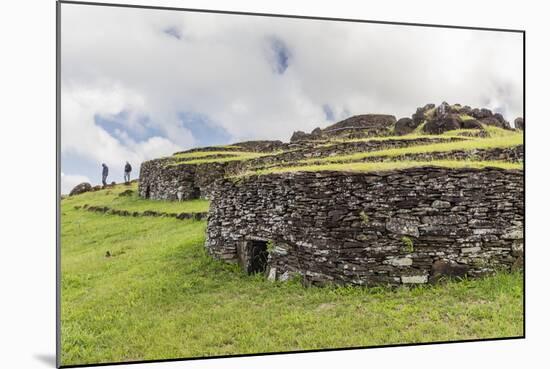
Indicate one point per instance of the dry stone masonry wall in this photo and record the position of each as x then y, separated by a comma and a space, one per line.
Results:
160, 179
398, 227
508, 154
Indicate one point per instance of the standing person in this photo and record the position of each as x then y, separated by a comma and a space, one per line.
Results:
127, 170
104, 174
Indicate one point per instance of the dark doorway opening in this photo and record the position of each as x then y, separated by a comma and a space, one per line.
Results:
147, 192
257, 261
196, 193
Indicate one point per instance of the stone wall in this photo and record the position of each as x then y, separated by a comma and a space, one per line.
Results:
404, 226
509, 154
160, 180
332, 149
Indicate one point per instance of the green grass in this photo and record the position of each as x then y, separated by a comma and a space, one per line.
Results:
465, 117
111, 197
383, 166
201, 157
234, 147
418, 134
160, 296
409, 137
420, 128
499, 140
205, 154
500, 132
430, 112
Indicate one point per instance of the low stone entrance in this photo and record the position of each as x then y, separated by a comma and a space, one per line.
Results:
256, 256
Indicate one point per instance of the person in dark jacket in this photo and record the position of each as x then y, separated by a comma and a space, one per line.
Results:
127, 170
104, 174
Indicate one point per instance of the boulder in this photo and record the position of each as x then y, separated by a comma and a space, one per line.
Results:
317, 132
519, 124
500, 118
455, 108
420, 114
481, 113
442, 124
465, 110
404, 126
364, 121
418, 117
442, 110
299, 136
495, 121
472, 124
352, 127
81, 188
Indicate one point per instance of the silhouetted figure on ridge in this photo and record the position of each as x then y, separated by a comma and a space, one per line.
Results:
104, 174
127, 170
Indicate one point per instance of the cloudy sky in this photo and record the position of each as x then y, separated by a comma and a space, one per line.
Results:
138, 84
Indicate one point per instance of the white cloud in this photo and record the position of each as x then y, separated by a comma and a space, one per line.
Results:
221, 66
68, 182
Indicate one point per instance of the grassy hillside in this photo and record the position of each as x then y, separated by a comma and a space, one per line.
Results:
467, 140
498, 138
160, 296
115, 199
384, 166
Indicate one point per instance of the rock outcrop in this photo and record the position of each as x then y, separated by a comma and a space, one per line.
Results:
365, 121
299, 136
81, 188
354, 127
445, 117
519, 124
421, 114
404, 126
443, 123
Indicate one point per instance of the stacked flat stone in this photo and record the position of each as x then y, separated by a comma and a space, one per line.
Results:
396, 227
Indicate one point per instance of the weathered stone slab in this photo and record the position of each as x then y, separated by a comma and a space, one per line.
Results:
403, 226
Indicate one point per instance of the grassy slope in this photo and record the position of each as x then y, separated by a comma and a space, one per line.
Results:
110, 197
163, 297
497, 141
383, 166
200, 157
497, 138
416, 134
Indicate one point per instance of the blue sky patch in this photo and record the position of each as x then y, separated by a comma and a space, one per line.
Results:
119, 126
280, 55
173, 32
204, 130
329, 113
